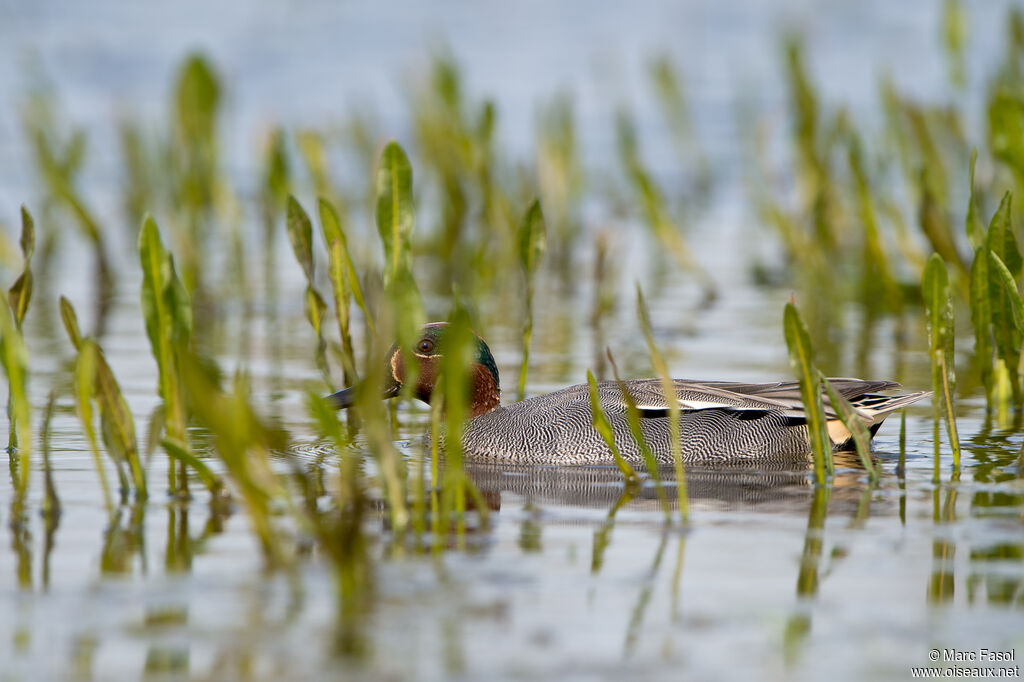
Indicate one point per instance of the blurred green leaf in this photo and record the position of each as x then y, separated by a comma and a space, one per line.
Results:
344, 283
975, 228
954, 34
183, 454
604, 428
84, 388
671, 399
394, 209
532, 238
1006, 129
116, 422
300, 234
70, 319
14, 358
20, 293
633, 419
197, 98
801, 359
168, 313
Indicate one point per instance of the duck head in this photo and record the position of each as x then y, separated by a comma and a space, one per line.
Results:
484, 389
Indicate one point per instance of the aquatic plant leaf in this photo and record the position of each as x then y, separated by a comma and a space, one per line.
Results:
20, 293
344, 277
184, 454
394, 209
197, 98
668, 390
954, 35
331, 224
51, 502
243, 443
344, 285
1006, 129
935, 223
854, 423
14, 358
276, 172
938, 302
604, 428
300, 234
339, 287
84, 388
981, 318
1006, 335
167, 310
166, 305
460, 353
116, 422
975, 228
532, 238
879, 288
801, 359
1009, 287
1001, 239
315, 310
19, 296
633, 419
28, 235
70, 320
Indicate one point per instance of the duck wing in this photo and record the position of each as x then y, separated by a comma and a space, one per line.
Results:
782, 396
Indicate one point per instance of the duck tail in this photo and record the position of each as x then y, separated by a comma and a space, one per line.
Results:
875, 408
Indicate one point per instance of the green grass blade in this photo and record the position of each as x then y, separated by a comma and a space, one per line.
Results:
939, 304
604, 428
633, 417
975, 228
671, 399
532, 242
801, 359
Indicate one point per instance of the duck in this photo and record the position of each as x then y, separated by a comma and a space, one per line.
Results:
720, 422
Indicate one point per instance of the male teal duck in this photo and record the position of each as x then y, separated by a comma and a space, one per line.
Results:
720, 421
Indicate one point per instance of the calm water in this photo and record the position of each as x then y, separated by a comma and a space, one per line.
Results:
763, 585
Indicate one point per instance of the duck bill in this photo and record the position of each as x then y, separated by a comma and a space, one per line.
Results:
343, 399
347, 397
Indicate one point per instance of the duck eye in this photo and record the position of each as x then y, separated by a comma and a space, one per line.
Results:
425, 346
